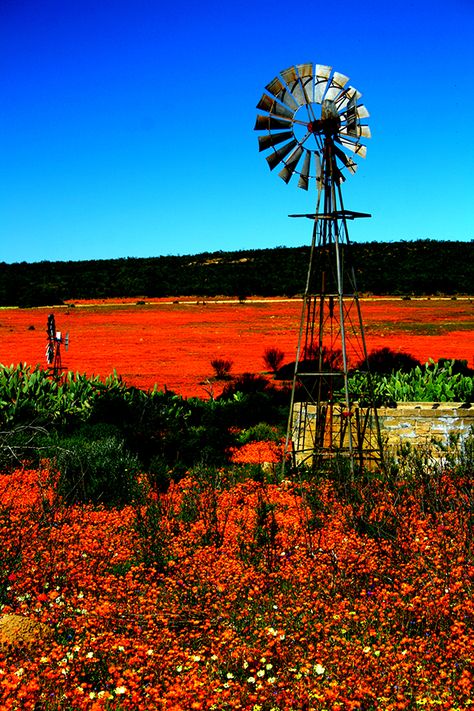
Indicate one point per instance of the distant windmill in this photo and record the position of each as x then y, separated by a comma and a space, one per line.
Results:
53, 346
312, 122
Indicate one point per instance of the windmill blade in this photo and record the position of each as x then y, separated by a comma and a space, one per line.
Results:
290, 75
272, 139
357, 148
303, 179
281, 92
305, 72
66, 341
360, 150
362, 130
348, 162
320, 82
270, 105
336, 85
291, 78
362, 112
344, 98
290, 165
274, 158
328, 110
49, 353
350, 116
51, 328
300, 82
269, 123
352, 110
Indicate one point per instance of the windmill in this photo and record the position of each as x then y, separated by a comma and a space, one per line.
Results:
313, 126
53, 346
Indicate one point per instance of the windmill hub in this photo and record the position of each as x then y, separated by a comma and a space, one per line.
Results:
325, 126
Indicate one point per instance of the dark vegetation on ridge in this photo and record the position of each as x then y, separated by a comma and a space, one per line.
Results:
404, 268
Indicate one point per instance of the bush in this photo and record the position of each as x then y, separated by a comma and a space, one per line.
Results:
23, 445
273, 358
96, 468
221, 368
384, 361
457, 366
261, 432
246, 384
254, 399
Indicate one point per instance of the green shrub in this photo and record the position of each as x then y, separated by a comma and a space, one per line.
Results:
261, 432
97, 469
23, 444
432, 383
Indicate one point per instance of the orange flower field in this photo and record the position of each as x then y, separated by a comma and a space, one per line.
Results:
171, 343
237, 588
285, 598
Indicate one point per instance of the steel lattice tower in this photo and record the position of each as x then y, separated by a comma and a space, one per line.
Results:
316, 121
325, 422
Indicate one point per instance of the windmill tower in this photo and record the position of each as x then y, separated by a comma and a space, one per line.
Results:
53, 346
312, 125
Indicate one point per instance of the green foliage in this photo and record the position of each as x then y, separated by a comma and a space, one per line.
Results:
95, 466
30, 395
101, 433
256, 400
261, 432
431, 383
23, 444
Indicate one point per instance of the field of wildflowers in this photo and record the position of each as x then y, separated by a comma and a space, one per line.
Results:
172, 343
238, 587
233, 590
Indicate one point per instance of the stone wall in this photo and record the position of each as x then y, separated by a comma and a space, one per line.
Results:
421, 423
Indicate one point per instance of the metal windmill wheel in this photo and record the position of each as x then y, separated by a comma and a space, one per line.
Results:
309, 111
312, 127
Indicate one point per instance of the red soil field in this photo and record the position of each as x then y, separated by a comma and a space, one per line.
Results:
171, 343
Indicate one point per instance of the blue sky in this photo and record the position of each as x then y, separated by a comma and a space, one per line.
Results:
126, 127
